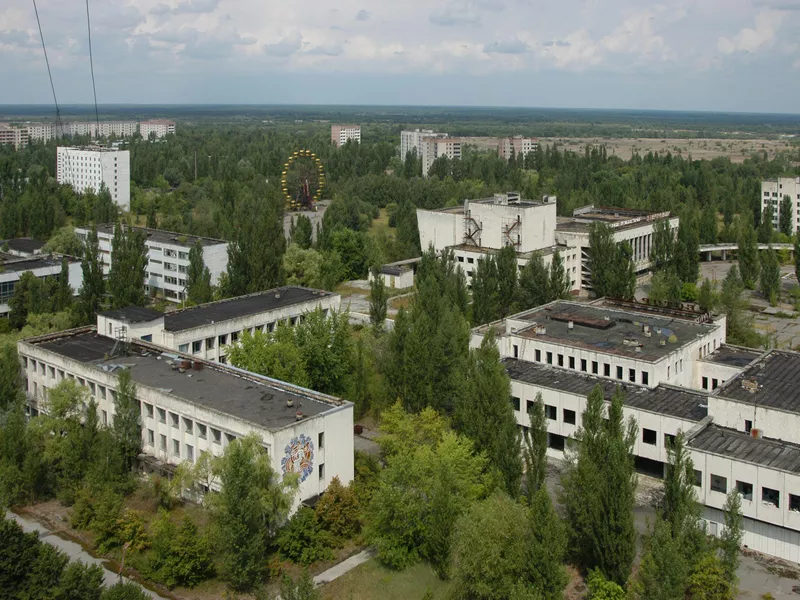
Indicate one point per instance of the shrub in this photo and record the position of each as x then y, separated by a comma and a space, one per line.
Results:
106, 521
180, 555
82, 513
124, 591
132, 529
302, 540
337, 511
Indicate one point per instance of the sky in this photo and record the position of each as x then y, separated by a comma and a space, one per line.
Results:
711, 55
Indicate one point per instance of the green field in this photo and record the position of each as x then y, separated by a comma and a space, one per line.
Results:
371, 581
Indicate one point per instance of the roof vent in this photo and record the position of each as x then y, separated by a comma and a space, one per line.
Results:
662, 342
289, 403
570, 325
756, 433
751, 385
299, 416
541, 330
277, 295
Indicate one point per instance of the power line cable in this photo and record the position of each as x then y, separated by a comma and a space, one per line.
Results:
91, 65
59, 125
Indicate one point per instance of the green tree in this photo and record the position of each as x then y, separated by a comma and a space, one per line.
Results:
485, 415
378, 298
127, 426
93, 289
302, 588
507, 280
709, 581
665, 286
490, 550
731, 540
80, 581
338, 511
560, 282
687, 247
128, 266
770, 278
599, 487
62, 300
601, 588
20, 303
603, 257
662, 253
748, 255
198, 278
124, 591
707, 297
64, 241
534, 450
302, 233
10, 390
534, 284
546, 548
786, 216
252, 503
765, 229
303, 267
485, 292
303, 540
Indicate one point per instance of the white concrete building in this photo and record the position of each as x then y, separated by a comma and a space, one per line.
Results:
410, 140
189, 406
207, 330
516, 146
772, 194
341, 134
23, 247
13, 136
168, 258
432, 148
43, 267
90, 167
160, 127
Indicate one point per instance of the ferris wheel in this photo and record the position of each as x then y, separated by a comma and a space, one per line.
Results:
302, 180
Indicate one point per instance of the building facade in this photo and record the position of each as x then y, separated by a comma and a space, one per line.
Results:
167, 258
13, 136
341, 134
516, 146
206, 331
160, 127
90, 167
42, 266
773, 192
189, 406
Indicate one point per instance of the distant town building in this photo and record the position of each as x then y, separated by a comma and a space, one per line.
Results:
160, 127
12, 268
341, 134
410, 140
91, 166
772, 194
168, 258
13, 136
516, 146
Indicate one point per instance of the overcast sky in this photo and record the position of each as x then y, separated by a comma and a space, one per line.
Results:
719, 55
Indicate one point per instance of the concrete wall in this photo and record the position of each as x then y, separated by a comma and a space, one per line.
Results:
773, 423
440, 229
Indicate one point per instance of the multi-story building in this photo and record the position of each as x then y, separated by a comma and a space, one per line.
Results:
92, 166
189, 406
410, 140
159, 127
516, 146
43, 267
23, 247
168, 258
13, 136
432, 148
737, 407
341, 134
773, 192
206, 331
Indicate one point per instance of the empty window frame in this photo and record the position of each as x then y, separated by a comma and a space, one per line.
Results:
745, 489
649, 436
770, 496
551, 412
719, 484
515, 402
569, 416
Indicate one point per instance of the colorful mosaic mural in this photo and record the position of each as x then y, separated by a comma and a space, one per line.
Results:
299, 457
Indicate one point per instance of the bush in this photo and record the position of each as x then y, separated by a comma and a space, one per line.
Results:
337, 511
601, 588
303, 541
82, 513
132, 529
106, 521
180, 555
124, 591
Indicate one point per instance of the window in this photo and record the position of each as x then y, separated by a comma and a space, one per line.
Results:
183, 255
583, 365
705, 383
471, 260
515, 402
549, 358
102, 392
162, 415
632, 375
105, 417
176, 448
229, 437
719, 484
667, 371
170, 266
321, 440
569, 416
461, 259
645, 378
52, 372
60, 375
714, 384
560, 360
223, 339
745, 489
189, 453
794, 503
163, 443
148, 409
210, 343
571, 362
151, 437
619, 372
235, 336
595, 367
669, 440
183, 348
92, 388
321, 471
174, 420
188, 425
606, 370
197, 346
41, 365
216, 436
649, 436
551, 412
698, 478
748, 426
538, 355
201, 431
516, 351
770, 496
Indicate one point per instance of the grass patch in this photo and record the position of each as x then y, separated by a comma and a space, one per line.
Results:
371, 581
381, 224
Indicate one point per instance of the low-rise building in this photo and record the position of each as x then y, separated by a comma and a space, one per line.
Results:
168, 258
189, 405
23, 247
205, 331
42, 266
773, 192
92, 167
341, 134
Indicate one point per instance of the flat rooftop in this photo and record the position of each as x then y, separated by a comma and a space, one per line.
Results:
132, 314
665, 399
772, 381
26, 245
21, 265
243, 395
611, 331
242, 306
161, 236
737, 445
732, 356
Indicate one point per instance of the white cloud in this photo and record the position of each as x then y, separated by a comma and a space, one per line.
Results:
753, 39
286, 46
514, 46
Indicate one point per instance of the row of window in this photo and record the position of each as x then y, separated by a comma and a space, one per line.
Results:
644, 377
58, 375
551, 412
769, 496
197, 346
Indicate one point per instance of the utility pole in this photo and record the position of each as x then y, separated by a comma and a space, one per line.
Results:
195, 165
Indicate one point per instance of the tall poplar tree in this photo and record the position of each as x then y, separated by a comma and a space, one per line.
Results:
749, 266
378, 299
198, 278
785, 217
603, 256
599, 489
485, 295
506, 280
128, 267
62, 300
765, 229
663, 251
534, 450
127, 424
770, 277
534, 284
560, 281
94, 286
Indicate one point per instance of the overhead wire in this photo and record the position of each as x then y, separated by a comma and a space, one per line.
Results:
91, 65
59, 125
